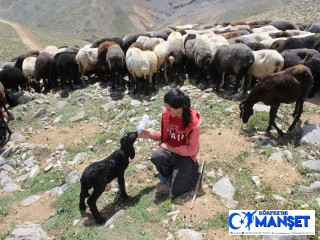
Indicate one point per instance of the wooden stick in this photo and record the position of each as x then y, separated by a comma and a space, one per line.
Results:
198, 184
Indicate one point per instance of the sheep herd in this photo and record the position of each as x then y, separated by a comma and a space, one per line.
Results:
210, 53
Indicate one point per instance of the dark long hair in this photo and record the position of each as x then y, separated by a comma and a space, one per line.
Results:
175, 98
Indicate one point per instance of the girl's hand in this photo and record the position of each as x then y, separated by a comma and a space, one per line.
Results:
144, 134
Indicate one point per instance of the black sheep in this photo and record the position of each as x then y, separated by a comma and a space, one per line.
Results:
68, 69
288, 86
98, 174
116, 63
42, 69
307, 57
232, 59
131, 38
313, 27
12, 78
312, 41
284, 25
53, 66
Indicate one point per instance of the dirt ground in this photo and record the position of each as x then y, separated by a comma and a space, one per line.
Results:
206, 205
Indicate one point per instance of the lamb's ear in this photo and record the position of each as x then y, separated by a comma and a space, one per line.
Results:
131, 152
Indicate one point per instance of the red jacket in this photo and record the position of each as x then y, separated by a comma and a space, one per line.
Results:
192, 131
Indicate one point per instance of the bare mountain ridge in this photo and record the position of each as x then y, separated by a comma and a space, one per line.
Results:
97, 18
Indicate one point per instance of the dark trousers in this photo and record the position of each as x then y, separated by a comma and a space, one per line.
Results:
182, 169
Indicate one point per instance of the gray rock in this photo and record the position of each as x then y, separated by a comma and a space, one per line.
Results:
2, 161
189, 234
261, 108
72, 177
279, 198
28, 231
17, 137
303, 154
41, 112
211, 174
276, 156
29, 162
78, 158
57, 191
109, 106
30, 200
135, 103
313, 187
11, 187
61, 104
77, 118
114, 218
4, 179
8, 168
312, 165
120, 116
224, 188
140, 167
7, 152
256, 180
229, 110
57, 119
26, 97
49, 167
34, 171
22, 178
288, 154
311, 135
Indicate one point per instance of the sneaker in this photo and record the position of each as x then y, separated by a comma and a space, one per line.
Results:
163, 179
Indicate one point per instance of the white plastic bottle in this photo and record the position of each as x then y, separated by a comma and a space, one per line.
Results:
143, 123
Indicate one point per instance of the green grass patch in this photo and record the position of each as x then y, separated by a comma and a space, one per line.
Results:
257, 122
37, 185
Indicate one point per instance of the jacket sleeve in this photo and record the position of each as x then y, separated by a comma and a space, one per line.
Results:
155, 135
192, 146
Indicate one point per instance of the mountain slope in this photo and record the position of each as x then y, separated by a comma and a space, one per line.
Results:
97, 18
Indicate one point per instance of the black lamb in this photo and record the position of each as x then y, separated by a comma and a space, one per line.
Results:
98, 174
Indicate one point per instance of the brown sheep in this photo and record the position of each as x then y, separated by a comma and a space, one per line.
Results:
288, 86
102, 61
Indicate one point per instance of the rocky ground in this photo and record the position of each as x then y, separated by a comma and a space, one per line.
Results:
53, 133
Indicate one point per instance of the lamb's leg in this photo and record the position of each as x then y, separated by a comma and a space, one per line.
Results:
272, 117
299, 105
296, 108
83, 195
92, 202
121, 183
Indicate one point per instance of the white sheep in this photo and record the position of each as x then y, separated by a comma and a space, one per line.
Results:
138, 65
52, 50
87, 59
28, 67
160, 51
150, 43
266, 61
152, 58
